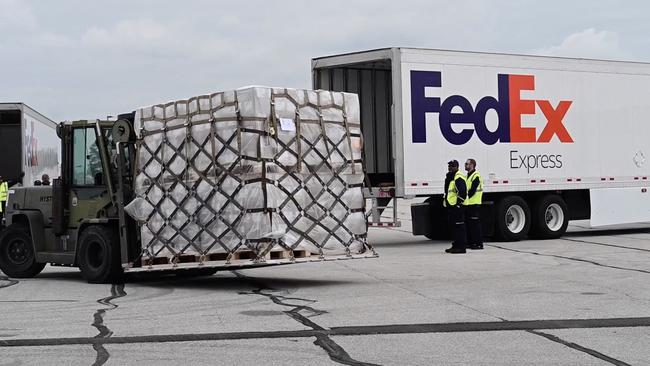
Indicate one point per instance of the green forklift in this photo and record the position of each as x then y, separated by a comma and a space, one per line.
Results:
79, 221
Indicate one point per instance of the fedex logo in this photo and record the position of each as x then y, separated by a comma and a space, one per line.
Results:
508, 105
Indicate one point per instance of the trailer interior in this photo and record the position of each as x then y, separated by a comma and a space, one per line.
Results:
372, 82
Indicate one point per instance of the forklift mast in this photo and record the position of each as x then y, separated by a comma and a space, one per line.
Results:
123, 136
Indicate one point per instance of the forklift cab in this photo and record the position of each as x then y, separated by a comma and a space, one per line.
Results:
84, 189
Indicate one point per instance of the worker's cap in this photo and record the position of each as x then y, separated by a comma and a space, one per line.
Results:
452, 163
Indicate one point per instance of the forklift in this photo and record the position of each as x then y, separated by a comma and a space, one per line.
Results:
80, 220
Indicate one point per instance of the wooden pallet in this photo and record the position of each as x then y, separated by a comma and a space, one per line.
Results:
222, 257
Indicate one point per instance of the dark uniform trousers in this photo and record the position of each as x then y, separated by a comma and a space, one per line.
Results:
457, 226
473, 213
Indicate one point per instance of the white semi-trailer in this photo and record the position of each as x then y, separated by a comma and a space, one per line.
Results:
556, 139
29, 146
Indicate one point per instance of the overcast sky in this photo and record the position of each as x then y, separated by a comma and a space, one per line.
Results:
88, 59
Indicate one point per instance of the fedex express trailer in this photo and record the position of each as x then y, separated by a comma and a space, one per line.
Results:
555, 139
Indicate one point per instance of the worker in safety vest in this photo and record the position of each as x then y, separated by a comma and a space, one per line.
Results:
473, 202
4, 193
454, 200
5, 184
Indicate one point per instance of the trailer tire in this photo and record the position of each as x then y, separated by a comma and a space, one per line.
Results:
512, 219
99, 255
17, 257
550, 217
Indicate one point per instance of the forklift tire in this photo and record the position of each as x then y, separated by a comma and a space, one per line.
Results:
17, 258
99, 255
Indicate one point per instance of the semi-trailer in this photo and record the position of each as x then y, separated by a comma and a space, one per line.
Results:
556, 139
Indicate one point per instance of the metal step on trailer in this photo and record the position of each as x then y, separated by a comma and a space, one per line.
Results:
382, 198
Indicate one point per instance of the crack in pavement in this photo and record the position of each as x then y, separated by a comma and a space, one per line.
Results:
506, 324
592, 352
556, 339
323, 339
570, 258
580, 348
337, 353
474, 309
117, 291
606, 245
7, 282
559, 340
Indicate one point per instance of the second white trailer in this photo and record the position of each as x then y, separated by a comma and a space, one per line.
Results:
29, 146
555, 139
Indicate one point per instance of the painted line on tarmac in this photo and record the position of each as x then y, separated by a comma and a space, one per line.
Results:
606, 245
364, 330
571, 258
580, 348
493, 326
159, 338
34, 301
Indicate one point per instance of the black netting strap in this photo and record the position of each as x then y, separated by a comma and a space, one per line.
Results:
181, 187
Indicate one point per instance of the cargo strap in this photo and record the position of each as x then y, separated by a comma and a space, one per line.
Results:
171, 190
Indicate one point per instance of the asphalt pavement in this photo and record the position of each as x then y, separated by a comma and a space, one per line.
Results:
580, 300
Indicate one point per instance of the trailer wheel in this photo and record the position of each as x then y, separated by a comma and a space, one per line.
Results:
17, 258
512, 219
550, 218
99, 255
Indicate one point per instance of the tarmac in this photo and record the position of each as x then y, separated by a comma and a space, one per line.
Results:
583, 299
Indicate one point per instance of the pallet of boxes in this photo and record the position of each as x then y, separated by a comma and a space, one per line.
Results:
254, 176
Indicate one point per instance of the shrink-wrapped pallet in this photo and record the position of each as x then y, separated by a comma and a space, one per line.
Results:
257, 169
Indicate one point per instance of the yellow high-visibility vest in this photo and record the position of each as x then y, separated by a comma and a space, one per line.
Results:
452, 191
4, 191
477, 198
